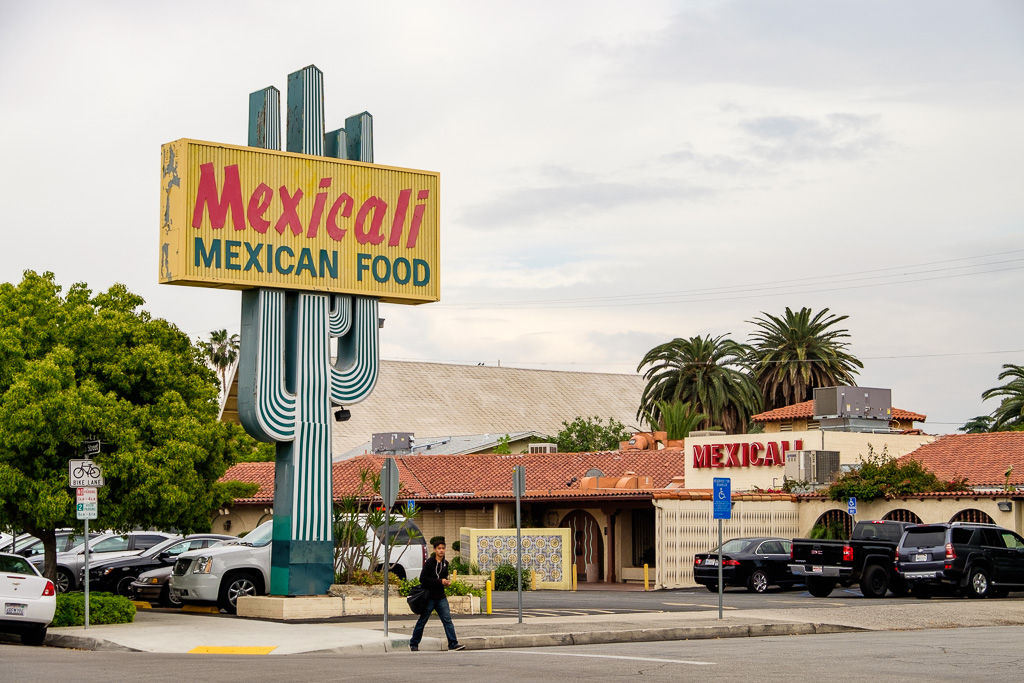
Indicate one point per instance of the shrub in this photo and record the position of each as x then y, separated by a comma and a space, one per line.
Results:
457, 564
505, 578
456, 546
104, 608
455, 588
360, 577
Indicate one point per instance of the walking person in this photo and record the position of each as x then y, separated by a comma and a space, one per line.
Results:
434, 578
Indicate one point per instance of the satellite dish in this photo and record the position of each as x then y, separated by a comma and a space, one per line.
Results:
594, 472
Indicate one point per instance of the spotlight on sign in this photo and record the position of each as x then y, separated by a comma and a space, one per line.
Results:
342, 415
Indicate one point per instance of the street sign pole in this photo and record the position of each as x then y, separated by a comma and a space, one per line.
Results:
721, 506
388, 493
87, 572
519, 488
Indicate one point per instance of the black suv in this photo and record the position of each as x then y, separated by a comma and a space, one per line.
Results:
979, 559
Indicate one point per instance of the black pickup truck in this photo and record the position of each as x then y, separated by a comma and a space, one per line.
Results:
866, 558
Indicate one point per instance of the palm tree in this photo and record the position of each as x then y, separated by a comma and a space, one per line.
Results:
222, 352
1010, 413
796, 353
708, 373
977, 425
676, 418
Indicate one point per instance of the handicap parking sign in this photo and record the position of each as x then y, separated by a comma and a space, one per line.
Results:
722, 498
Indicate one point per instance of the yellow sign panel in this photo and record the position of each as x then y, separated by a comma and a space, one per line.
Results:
242, 217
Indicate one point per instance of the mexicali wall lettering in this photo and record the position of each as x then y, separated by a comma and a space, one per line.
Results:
753, 454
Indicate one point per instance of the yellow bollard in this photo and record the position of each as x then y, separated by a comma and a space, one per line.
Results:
492, 578
645, 578
574, 576
533, 580
488, 584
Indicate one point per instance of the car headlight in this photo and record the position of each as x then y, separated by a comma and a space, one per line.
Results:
107, 572
155, 580
203, 565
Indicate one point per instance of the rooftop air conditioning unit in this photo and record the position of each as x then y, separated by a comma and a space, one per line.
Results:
543, 448
816, 467
392, 441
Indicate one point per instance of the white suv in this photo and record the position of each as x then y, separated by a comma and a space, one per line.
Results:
222, 573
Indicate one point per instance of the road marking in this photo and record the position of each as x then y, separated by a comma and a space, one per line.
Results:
141, 604
218, 650
636, 659
201, 609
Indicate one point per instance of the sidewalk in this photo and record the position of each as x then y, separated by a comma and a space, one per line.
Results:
185, 633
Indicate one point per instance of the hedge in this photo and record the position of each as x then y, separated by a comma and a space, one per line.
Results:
104, 608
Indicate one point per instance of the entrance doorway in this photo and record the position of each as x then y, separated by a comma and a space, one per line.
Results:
587, 545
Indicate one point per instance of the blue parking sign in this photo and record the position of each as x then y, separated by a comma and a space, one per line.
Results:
722, 498
851, 505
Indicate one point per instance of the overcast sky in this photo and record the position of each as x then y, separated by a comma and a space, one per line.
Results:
613, 175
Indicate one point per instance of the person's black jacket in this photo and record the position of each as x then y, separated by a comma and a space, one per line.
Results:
430, 577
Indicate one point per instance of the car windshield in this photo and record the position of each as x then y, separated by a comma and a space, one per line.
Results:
260, 536
736, 545
160, 547
925, 537
402, 532
15, 565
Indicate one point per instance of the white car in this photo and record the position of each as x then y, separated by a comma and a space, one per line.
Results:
223, 573
29, 600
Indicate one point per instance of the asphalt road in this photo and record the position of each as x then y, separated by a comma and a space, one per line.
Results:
989, 653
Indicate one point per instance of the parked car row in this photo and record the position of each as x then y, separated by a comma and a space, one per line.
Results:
882, 556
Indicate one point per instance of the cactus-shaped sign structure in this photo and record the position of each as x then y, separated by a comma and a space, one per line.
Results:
287, 382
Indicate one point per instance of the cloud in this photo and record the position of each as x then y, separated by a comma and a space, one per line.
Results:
798, 138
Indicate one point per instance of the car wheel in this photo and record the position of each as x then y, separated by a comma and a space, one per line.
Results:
713, 587
233, 588
64, 581
977, 583
758, 582
124, 586
34, 636
921, 591
169, 599
820, 588
875, 582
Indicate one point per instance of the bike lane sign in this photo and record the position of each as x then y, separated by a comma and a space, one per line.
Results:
84, 473
722, 498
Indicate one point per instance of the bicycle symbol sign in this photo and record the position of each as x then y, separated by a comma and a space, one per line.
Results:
84, 473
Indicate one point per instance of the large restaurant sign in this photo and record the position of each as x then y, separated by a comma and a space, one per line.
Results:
242, 217
753, 454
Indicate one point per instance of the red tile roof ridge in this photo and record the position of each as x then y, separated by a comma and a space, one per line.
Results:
805, 409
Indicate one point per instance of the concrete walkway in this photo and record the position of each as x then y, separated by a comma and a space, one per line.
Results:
171, 632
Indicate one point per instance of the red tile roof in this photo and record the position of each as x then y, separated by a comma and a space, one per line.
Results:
456, 477
982, 458
805, 410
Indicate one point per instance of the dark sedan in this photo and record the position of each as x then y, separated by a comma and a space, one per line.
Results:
117, 574
152, 587
754, 563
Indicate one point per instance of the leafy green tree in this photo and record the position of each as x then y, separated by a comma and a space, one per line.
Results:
82, 365
676, 418
795, 353
881, 475
1010, 413
977, 425
503, 447
222, 352
588, 434
708, 373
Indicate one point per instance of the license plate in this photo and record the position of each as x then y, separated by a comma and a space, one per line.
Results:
814, 569
14, 610
710, 563
920, 558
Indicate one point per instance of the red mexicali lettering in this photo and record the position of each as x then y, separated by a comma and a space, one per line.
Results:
218, 202
716, 455
755, 459
701, 456
733, 455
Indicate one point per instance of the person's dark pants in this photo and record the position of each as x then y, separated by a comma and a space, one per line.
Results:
441, 606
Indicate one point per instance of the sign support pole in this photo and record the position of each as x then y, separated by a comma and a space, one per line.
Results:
87, 573
719, 568
519, 485
721, 507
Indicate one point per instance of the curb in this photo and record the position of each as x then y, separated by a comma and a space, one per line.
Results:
651, 635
